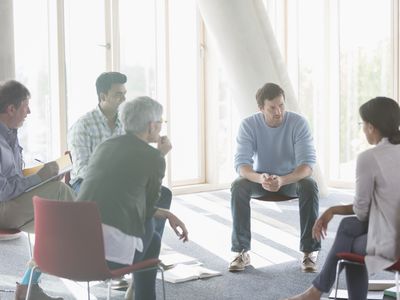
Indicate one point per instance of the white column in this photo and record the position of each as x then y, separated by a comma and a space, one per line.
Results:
7, 65
249, 53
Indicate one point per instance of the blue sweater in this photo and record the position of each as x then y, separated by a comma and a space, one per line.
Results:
274, 150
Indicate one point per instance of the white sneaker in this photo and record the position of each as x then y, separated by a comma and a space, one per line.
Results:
309, 262
240, 262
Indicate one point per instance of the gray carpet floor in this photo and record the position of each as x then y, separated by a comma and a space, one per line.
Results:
275, 272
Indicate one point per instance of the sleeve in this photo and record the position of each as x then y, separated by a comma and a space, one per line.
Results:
303, 144
365, 183
80, 146
154, 186
245, 146
14, 186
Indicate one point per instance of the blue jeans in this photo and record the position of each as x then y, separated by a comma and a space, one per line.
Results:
145, 282
163, 202
243, 190
351, 237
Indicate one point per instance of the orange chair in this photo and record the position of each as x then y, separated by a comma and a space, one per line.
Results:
69, 244
356, 259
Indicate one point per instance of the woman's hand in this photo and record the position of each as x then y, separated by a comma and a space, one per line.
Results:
321, 225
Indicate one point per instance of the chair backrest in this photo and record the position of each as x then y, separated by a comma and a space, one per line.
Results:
69, 240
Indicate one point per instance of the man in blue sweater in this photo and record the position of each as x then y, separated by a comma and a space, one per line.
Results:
275, 154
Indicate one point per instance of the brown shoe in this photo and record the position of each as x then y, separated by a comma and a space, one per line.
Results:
36, 293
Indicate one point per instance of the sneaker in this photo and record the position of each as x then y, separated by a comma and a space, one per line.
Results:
36, 293
240, 262
130, 292
309, 262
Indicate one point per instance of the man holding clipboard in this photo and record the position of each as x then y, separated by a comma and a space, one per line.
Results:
17, 190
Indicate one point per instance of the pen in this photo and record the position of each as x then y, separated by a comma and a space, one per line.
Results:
38, 160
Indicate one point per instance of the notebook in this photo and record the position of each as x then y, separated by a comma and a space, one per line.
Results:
182, 273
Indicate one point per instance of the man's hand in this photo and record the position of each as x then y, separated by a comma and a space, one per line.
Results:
321, 225
49, 170
177, 225
272, 183
164, 145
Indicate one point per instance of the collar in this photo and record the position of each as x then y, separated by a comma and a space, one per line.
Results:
383, 141
10, 135
103, 117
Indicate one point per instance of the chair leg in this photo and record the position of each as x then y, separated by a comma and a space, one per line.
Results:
162, 281
28, 292
337, 276
88, 290
109, 289
30, 244
397, 285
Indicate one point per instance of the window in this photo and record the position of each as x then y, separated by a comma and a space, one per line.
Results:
366, 71
184, 104
137, 30
63, 46
34, 59
85, 54
340, 60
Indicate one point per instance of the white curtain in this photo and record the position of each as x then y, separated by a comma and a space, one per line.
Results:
249, 53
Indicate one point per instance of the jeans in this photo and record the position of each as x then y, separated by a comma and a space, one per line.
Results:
145, 281
76, 186
351, 237
243, 190
163, 202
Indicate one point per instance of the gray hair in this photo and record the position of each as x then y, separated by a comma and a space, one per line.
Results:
136, 114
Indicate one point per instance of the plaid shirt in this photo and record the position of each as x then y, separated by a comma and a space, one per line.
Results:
83, 138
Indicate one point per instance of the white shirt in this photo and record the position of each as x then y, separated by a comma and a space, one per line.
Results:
120, 247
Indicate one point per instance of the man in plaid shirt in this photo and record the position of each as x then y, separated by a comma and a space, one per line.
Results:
100, 124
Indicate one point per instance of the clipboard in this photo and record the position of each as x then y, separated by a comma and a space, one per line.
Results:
64, 165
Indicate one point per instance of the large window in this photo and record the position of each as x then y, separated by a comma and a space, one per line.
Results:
337, 60
61, 47
366, 71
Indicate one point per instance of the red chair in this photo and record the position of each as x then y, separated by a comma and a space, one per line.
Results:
69, 244
356, 259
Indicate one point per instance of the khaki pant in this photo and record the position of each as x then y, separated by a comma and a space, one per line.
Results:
18, 212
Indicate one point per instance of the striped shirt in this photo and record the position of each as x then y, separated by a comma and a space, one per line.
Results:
84, 136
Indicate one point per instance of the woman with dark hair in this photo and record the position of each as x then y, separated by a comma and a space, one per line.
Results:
375, 230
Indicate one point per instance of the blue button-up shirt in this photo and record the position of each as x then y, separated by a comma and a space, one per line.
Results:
12, 181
